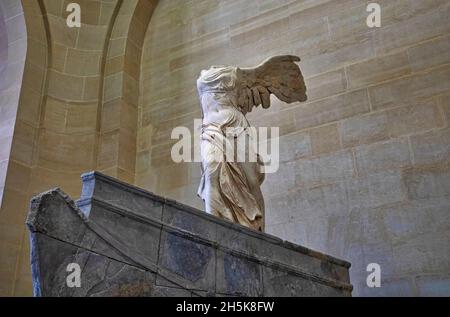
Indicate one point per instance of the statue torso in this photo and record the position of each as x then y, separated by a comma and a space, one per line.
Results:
219, 111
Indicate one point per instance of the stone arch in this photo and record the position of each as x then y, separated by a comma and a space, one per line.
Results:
119, 109
18, 111
65, 110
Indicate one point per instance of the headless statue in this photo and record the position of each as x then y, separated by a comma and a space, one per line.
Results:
230, 188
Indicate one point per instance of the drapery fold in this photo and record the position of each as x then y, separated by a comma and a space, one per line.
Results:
232, 188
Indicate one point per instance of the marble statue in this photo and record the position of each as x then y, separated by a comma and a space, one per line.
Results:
230, 188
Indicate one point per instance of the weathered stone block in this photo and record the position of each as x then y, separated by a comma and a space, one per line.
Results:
280, 284
330, 37
445, 104
364, 129
307, 36
330, 55
326, 84
288, 206
292, 228
331, 109
305, 204
281, 181
428, 183
432, 147
102, 188
241, 240
64, 152
326, 200
436, 286
133, 234
388, 39
238, 276
379, 126
376, 189
325, 139
378, 70
193, 262
399, 288
282, 254
294, 146
414, 88
418, 117
52, 214
382, 156
125, 251
430, 54
175, 216
324, 169
426, 253
414, 218
349, 22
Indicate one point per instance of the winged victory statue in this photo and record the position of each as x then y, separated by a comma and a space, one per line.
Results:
230, 188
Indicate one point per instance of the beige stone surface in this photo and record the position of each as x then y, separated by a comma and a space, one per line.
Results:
12, 62
378, 70
378, 106
325, 139
63, 116
326, 84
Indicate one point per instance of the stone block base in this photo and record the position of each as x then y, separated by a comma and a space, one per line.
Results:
130, 242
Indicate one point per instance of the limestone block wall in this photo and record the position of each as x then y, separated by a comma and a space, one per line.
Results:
57, 137
68, 121
13, 43
119, 114
13, 50
365, 171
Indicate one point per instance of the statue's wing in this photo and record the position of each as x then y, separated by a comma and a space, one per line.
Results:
279, 75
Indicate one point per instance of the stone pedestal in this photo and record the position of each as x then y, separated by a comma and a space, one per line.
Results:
130, 242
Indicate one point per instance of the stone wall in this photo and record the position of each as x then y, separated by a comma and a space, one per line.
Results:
13, 50
77, 109
13, 43
365, 171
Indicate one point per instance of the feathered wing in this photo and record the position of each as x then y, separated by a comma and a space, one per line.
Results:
279, 75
